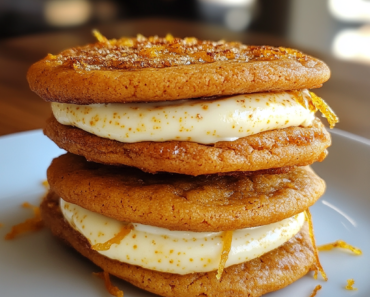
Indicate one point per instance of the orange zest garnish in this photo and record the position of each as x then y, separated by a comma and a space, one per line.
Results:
1, 225
227, 239
314, 103
350, 283
51, 57
314, 292
113, 290
325, 109
169, 38
99, 36
46, 184
339, 244
312, 235
140, 38
32, 224
132, 53
305, 101
126, 229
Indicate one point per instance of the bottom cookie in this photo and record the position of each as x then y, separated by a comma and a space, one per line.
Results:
268, 273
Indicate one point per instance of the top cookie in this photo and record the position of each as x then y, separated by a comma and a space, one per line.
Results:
160, 69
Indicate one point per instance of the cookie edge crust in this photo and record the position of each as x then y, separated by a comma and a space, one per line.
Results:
298, 249
223, 78
294, 146
164, 205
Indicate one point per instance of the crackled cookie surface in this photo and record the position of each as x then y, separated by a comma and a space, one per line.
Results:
158, 69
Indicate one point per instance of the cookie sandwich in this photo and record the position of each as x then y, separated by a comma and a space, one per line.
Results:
199, 182
124, 102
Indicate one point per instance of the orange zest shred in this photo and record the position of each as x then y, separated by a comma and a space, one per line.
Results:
113, 290
126, 229
305, 101
314, 292
169, 38
312, 235
51, 57
32, 224
124, 41
227, 239
132, 53
314, 103
190, 40
46, 185
99, 36
339, 244
325, 109
140, 37
350, 283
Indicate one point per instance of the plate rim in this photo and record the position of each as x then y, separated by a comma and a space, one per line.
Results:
346, 136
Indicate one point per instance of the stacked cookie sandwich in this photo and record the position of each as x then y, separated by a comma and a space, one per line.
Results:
187, 167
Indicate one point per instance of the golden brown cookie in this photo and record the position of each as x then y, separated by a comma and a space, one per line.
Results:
270, 272
181, 202
271, 149
159, 69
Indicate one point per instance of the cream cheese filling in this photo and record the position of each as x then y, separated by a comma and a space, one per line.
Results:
179, 252
201, 121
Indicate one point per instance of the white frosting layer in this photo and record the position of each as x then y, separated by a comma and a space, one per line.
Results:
179, 252
202, 121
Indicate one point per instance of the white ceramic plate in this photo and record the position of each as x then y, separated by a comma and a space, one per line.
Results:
36, 265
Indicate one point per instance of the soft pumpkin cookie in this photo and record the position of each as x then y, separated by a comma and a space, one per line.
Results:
160, 69
271, 149
253, 109
180, 202
270, 272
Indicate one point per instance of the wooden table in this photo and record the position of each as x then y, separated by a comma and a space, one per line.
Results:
348, 91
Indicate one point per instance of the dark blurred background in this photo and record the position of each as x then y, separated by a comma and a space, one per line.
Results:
320, 25
336, 31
